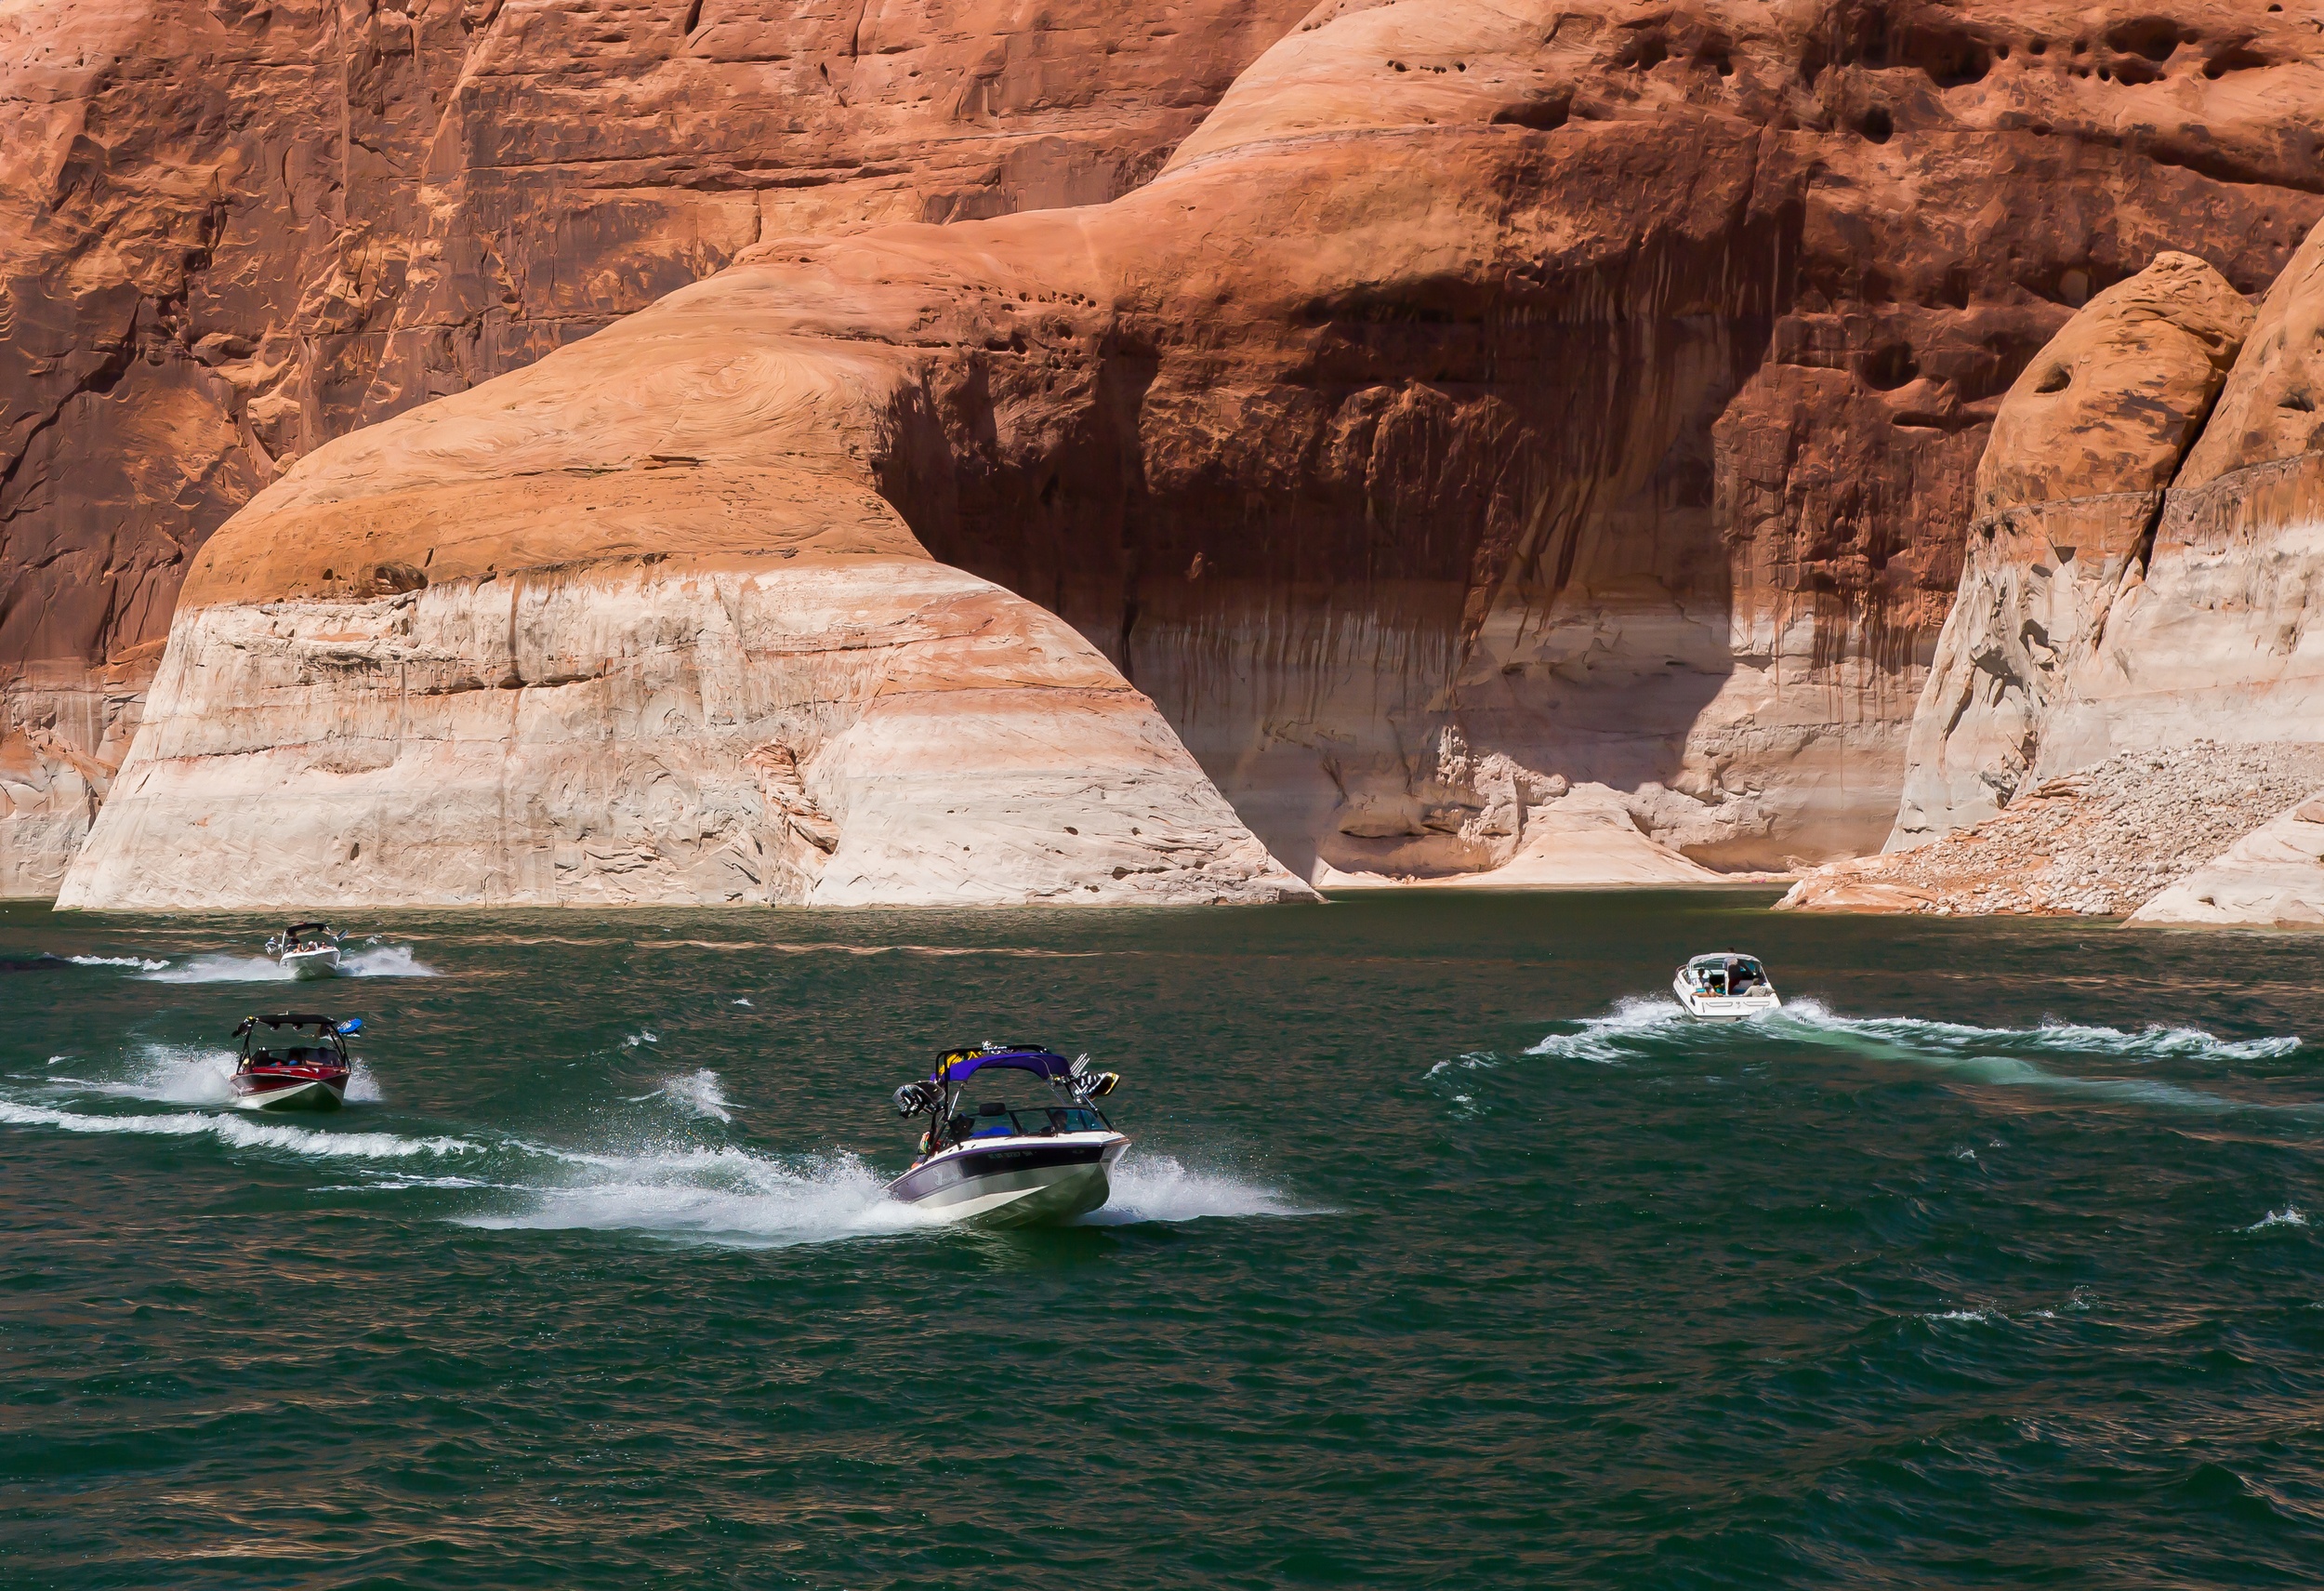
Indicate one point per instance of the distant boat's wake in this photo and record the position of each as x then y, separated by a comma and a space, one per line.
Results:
186, 1074
1642, 1030
373, 962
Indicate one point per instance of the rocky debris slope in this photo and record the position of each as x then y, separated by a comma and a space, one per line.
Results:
2108, 840
2271, 877
230, 232
632, 625
1603, 385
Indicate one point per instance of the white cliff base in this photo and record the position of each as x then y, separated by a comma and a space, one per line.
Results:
64, 730
827, 731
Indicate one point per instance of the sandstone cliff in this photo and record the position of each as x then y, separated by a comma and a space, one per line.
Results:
231, 230
1583, 391
1618, 409
2066, 497
632, 625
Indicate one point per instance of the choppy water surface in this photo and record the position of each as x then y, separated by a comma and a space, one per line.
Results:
1448, 1254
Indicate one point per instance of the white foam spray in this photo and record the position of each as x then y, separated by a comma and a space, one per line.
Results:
1157, 1188
699, 1093
722, 1195
1621, 1036
1641, 1030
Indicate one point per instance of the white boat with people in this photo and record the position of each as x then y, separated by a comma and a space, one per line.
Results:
1009, 1162
1725, 986
307, 949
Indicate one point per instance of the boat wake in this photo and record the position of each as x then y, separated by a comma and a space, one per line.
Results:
715, 1195
191, 1074
237, 1131
706, 1192
1640, 1029
740, 1197
375, 962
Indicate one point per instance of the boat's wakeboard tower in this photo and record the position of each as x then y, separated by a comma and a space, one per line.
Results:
939, 1092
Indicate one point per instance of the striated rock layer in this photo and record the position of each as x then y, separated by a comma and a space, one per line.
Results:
632, 625
833, 731
1596, 389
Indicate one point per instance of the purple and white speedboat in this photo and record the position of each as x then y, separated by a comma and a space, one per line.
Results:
1000, 1162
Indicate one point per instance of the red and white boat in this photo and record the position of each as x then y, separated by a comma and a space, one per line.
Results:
292, 1061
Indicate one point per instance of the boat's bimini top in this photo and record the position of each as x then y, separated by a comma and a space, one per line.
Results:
330, 1051
959, 1066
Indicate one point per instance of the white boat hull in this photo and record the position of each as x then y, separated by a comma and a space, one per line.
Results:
1004, 1183
320, 964
1726, 1007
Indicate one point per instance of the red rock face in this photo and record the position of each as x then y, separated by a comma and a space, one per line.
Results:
1597, 388
1605, 387
231, 230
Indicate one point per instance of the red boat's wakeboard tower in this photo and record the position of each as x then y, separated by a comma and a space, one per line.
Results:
292, 1061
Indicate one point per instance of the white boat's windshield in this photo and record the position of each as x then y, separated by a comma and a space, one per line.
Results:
994, 1118
1725, 974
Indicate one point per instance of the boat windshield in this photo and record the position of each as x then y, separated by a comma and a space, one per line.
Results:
996, 1120
1721, 974
289, 1046
286, 1054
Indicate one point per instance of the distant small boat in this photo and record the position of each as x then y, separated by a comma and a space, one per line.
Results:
1004, 1164
1726, 986
309, 949
280, 1070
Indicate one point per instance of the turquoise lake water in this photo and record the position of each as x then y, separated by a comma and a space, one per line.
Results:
1446, 1255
